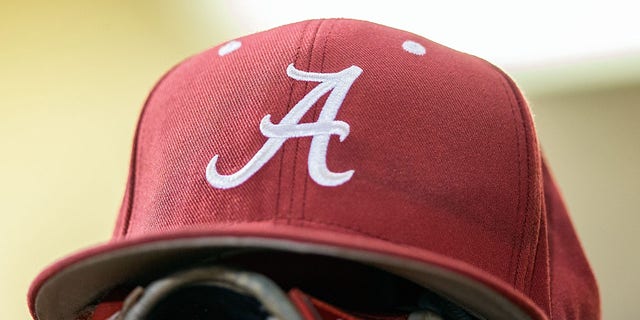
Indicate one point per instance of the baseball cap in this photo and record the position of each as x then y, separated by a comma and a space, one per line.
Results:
347, 139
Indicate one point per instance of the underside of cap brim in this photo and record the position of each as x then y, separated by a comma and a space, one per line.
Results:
70, 285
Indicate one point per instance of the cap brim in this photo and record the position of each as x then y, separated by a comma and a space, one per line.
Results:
67, 286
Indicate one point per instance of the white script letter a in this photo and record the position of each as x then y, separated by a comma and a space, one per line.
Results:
289, 127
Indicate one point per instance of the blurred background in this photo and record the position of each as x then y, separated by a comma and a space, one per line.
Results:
74, 74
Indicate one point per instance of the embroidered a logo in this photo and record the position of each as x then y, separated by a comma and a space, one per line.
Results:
338, 84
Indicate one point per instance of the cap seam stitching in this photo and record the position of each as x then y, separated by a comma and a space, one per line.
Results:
515, 265
295, 153
531, 267
287, 107
315, 113
549, 208
526, 189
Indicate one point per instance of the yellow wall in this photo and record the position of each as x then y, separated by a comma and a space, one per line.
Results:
73, 76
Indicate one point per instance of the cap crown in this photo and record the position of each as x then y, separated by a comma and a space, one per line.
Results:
348, 126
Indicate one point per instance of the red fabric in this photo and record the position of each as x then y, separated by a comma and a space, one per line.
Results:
305, 306
329, 312
106, 309
314, 309
446, 161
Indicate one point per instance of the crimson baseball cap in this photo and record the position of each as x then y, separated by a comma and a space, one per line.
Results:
348, 139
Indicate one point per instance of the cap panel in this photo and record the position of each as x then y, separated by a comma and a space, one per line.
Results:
433, 141
210, 105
